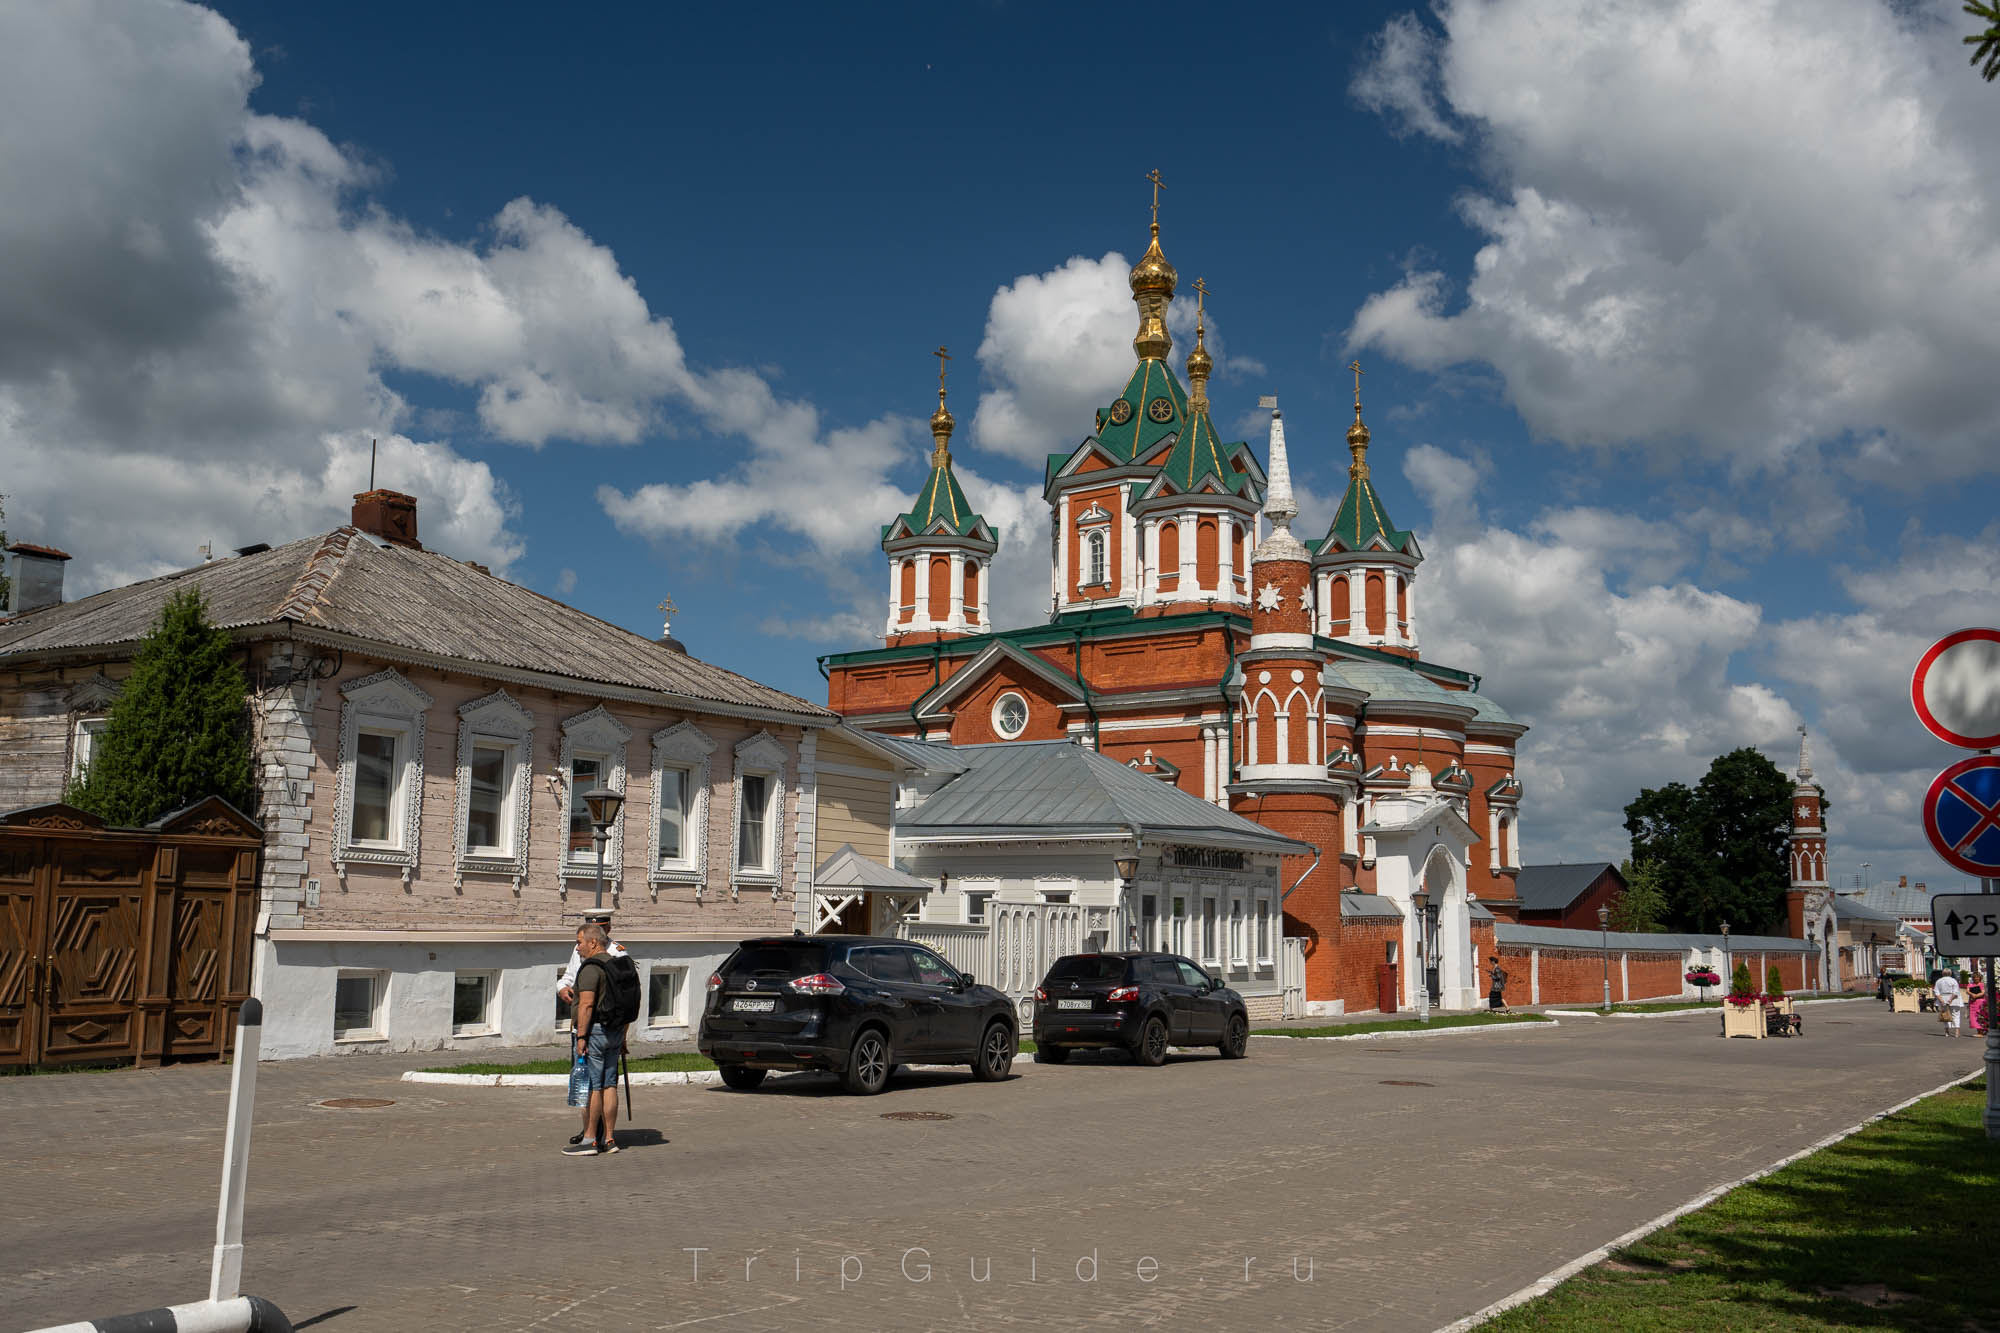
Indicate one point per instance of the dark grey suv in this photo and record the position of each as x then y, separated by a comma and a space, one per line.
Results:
1143, 1002
856, 1005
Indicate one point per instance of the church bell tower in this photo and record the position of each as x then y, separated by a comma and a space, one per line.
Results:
940, 552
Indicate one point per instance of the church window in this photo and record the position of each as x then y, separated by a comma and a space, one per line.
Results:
940, 588
1010, 715
908, 607
1205, 552
1170, 550
1096, 559
972, 591
1377, 623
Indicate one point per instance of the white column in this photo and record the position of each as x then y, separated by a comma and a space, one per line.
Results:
1493, 837
986, 594
923, 615
1514, 840
1225, 559
1208, 783
958, 590
1282, 720
1534, 976
1357, 605
1350, 824
1410, 623
895, 591
1127, 564
1061, 591
1188, 590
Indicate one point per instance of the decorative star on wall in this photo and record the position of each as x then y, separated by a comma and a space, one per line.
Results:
1305, 600
1267, 597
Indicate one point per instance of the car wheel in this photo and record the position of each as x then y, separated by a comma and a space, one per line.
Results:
742, 1079
1050, 1055
868, 1064
1236, 1042
996, 1054
1152, 1047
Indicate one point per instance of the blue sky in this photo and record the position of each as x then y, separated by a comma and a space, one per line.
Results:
1678, 346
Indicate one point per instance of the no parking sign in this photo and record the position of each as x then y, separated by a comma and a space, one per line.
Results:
1962, 815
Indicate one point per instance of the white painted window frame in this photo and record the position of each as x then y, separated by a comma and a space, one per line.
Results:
675, 1016
386, 702
501, 721
1096, 572
1239, 923
594, 733
1001, 731
687, 748
83, 739
1208, 926
1264, 951
765, 755
489, 1024
378, 1006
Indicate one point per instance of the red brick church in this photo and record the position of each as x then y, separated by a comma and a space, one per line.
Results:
1195, 636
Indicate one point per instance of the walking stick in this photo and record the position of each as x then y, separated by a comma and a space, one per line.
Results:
625, 1071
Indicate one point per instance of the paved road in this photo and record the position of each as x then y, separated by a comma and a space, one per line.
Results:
1411, 1180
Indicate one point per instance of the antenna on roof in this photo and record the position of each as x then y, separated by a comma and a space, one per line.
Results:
207, 550
371, 463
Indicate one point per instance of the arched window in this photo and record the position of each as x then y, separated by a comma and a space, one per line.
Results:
972, 591
1170, 553
908, 607
1206, 554
940, 589
1096, 560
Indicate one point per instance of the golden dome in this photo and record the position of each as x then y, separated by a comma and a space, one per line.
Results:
1357, 444
941, 420
1153, 280
1153, 273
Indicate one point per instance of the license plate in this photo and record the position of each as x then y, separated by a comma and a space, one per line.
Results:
753, 1006
1072, 1004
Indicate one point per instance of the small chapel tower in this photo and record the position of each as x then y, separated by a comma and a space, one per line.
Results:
1366, 566
1808, 898
940, 551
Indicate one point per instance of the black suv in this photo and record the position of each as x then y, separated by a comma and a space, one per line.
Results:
852, 1004
1144, 1002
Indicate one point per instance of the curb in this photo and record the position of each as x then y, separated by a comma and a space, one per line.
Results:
1417, 1032
1550, 1281
648, 1079
1687, 1013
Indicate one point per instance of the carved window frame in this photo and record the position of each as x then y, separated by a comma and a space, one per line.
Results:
385, 701
89, 706
497, 717
594, 732
685, 747
761, 754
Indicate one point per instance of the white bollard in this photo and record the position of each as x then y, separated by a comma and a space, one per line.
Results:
225, 1281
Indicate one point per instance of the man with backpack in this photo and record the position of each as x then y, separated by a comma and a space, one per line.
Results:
607, 1000
566, 992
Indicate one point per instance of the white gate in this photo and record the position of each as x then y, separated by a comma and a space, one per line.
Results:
967, 948
1292, 975
1013, 950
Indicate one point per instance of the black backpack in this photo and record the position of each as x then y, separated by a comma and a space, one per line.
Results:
618, 999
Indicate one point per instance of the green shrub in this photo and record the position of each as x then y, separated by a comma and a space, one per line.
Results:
1739, 981
1774, 984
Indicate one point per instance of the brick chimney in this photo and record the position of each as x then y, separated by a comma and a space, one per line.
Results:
390, 515
36, 574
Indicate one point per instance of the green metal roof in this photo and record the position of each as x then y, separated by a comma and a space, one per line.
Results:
1139, 433
1360, 520
941, 500
1198, 454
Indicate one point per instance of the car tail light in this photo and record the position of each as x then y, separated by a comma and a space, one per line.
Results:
1041, 996
1123, 995
715, 981
819, 983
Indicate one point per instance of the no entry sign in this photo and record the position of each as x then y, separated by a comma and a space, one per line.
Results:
1962, 815
1956, 689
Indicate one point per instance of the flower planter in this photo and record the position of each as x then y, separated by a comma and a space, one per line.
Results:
1742, 1020
1903, 1001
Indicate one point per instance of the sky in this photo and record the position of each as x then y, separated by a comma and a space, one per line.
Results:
1677, 318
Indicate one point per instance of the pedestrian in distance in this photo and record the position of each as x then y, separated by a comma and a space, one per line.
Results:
1496, 997
1950, 1002
566, 992
607, 1000
1979, 1013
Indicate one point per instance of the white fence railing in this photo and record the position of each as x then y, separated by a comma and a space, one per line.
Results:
1013, 950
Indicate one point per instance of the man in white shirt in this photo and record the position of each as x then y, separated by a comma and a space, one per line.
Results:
566, 987
1945, 992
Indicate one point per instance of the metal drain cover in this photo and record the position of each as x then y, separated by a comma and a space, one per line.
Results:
917, 1115
355, 1103
1406, 1083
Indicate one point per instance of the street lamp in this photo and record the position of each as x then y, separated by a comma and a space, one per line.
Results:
1421, 901
603, 804
1728, 972
1866, 882
1127, 868
1604, 951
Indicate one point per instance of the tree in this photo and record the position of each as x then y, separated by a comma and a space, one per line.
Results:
1717, 849
1739, 981
180, 730
1643, 904
1985, 45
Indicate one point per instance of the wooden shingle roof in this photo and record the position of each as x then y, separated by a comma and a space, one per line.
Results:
348, 588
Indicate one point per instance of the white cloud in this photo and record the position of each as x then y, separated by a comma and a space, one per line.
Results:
1058, 346
1766, 228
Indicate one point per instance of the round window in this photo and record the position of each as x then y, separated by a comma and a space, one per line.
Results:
1010, 715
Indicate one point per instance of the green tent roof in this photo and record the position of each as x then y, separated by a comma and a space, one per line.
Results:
1361, 519
1199, 453
1140, 432
941, 499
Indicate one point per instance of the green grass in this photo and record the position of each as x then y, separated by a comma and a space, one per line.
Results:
1675, 1006
1401, 1025
1889, 1229
671, 1062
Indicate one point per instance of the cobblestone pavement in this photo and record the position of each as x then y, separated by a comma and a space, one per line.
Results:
1406, 1181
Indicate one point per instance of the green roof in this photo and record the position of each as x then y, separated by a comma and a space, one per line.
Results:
1198, 453
1362, 519
940, 500
1138, 435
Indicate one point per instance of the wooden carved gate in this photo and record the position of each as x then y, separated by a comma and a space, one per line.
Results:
124, 944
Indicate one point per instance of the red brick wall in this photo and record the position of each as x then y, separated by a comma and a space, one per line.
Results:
1313, 909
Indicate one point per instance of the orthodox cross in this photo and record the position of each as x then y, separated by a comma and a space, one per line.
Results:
1355, 366
1201, 296
1158, 185
667, 610
944, 368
